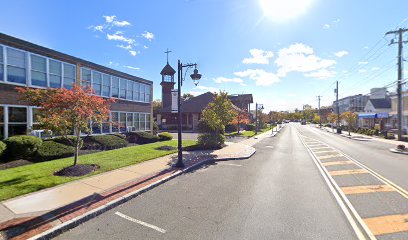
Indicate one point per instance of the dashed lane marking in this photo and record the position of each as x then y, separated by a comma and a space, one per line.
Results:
140, 222
337, 163
388, 224
367, 189
330, 156
328, 151
347, 172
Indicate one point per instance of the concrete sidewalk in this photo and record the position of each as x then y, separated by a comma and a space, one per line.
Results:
374, 138
21, 216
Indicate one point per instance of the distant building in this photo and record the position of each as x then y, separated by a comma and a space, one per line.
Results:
307, 107
376, 110
393, 113
191, 107
354, 103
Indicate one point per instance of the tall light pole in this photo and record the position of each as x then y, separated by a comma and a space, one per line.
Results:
196, 77
257, 107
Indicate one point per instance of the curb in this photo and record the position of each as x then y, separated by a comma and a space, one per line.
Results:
55, 231
399, 152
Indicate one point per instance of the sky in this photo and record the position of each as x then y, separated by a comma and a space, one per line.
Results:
285, 53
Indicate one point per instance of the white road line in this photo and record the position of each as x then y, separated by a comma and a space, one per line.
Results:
230, 164
341, 199
140, 222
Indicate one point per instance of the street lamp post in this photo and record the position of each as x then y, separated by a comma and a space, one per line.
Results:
257, 107
195, 77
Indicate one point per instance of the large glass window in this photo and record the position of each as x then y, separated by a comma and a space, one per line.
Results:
129, 91
16, 66
86, 77
36, 114
142, 93
142, 121
106, 82
136, 122
147, 121
123, 84
55, 76
147, 93
38, 71
69, 75
136, 90
129, 121
17, 121
115, 121
115, 87
96, 128
1, 122
97, 82
1, 66
122, 122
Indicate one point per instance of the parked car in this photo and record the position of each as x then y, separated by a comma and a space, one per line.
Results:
303, 123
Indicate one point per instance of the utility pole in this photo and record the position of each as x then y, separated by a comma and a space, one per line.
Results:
320, 113
337, 107
400, 33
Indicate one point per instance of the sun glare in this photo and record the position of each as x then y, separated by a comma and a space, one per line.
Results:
282, 10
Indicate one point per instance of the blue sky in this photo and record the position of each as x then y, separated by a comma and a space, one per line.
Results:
284, 54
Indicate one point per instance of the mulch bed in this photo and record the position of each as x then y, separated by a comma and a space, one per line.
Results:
77, 170
15, 163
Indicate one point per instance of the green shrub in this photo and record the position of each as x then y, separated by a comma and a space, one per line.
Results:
141, 137
104, 142
231, 128
22, 146
50, 150
250, 127
68, 141
3, 148
165, 136
211, 140
119, 135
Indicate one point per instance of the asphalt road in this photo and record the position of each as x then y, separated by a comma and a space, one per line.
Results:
373, 154
276, 194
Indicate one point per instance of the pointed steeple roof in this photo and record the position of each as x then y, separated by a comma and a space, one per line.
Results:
168, 70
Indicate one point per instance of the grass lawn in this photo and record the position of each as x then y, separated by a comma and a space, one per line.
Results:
26, 179
248, 133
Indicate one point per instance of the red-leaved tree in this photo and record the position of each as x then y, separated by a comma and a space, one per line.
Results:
241, 117
64, 111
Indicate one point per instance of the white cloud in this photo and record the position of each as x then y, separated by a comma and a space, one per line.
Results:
113, 64
341, 54
116, 37
375, 68
121, 23
133, 68
362, 63
300, 58
258, 56
362, 70
321, 74
148, 35
98, 28
145, 47
260, 76
231, 80
332, 24
109, 19
365, 47
126, 47
133, 53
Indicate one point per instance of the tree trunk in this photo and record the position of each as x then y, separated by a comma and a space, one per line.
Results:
78, 138
238, 124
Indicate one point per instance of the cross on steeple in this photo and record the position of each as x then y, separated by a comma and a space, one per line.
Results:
167, 52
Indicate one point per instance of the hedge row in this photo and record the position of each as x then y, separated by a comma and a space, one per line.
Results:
35, 149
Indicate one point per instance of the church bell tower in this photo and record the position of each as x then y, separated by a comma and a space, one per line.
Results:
167, 83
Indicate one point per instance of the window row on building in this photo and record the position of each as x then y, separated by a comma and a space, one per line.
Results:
111, 86
19, 120
27, 69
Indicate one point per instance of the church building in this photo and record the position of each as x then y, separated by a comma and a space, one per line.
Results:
191, 107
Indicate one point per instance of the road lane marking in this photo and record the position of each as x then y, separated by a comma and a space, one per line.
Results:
367, 189
140, 222
388, 224
348, 172
327, 151
329, 156
345, 205
337, 163
230, 164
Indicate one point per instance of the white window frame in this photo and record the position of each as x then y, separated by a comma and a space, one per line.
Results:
47, 83
26, 64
